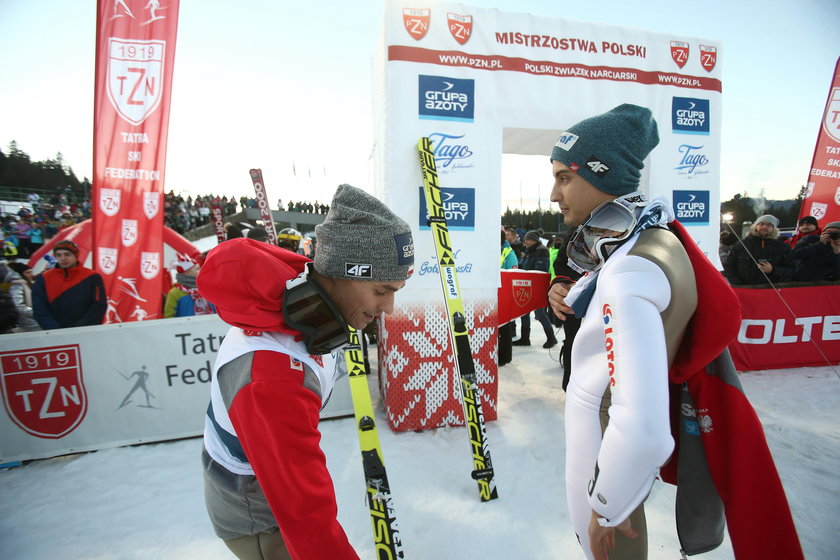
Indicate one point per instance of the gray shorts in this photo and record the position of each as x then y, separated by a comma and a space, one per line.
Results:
236, 503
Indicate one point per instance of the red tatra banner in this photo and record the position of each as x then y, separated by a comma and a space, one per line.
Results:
135, 53
822, 199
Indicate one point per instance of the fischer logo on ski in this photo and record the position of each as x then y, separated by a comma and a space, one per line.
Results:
464, 366
386, 536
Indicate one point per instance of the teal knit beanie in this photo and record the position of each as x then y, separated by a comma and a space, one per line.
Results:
608, 150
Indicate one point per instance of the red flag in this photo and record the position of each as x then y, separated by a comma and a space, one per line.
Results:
135, 53
822, 199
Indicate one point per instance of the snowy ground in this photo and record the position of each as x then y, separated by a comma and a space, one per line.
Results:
146, 502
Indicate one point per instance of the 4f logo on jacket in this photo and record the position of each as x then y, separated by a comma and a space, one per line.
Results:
357, 270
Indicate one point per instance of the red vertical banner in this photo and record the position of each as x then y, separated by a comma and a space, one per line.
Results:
823, 197
218, 222
135, 54
262, 204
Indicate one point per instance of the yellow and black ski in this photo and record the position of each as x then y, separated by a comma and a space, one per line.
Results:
386, 536
464, 366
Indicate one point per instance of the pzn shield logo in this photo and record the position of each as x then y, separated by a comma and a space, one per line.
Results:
43, 390
109, 201
151, 204
135, 77
460, 27
708, 57
522, 292
818, 210
679, 52
149, 264
129, 232
416, 22
831, 121
107, 259
837, 196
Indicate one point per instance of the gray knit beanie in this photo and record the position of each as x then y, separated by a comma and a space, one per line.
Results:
533, 235
362, 239
768, 219
608, 150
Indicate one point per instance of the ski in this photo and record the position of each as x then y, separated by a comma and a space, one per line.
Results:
386, 536
464, 366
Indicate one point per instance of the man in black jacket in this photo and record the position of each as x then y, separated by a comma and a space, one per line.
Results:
817, 256
759, 258
536, 258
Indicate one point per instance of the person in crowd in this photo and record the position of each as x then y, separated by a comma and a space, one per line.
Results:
727, 240
643, 279
507, 261
513, 240
184, 299
257, 233
760, 257
566, 276
289, 238
69, 295
232, 231
17, 279
808, 225
536, 258
267, 488
817, 255
36, 237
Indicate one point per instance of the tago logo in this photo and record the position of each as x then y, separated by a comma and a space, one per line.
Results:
448, 150
692, 207
447, 99
458, 207
689, 115
692, 161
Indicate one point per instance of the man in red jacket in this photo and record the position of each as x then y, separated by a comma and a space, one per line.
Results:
68, 295
267, 488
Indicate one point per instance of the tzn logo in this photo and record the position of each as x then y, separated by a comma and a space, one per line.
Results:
357, 270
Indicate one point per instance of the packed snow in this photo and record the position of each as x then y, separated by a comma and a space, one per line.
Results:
146, 502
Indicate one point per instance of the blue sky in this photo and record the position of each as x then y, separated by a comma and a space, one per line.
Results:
262, 83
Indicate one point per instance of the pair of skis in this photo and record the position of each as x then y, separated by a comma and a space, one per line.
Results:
386, 535
465, 367
380, 502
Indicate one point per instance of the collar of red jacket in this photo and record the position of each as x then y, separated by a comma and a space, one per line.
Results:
246, 279
717, 319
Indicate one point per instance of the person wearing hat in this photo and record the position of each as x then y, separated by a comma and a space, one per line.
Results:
69, 295
183, 298
642, 332
536, 257
807, 226
817, 255
760, 257
267, 488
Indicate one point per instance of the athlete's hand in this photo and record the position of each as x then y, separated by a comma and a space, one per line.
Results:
557, 300
602, 539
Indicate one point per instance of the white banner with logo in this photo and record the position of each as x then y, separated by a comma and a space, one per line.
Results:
88, 388
480, 83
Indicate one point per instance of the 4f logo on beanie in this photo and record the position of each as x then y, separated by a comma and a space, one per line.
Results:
357, 270
598, 167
